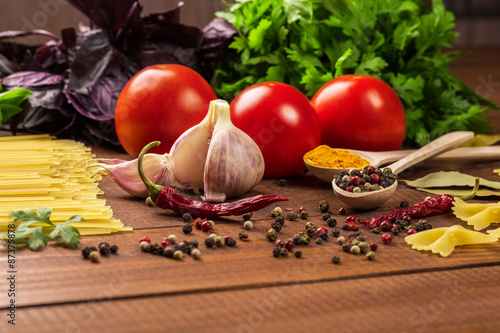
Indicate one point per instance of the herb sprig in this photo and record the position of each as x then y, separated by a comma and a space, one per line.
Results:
70, 236
10, 102
300, 42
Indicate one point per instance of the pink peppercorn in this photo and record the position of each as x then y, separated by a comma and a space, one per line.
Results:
349, 189
375, 177
355, 180
351, 218
411, 232
206, 226
373, 246
342, 211
321, 229
301, 209
387, 238
165, 243
145, 239
351, 226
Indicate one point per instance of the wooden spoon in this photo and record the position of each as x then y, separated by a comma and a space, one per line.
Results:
377, 159
368, 200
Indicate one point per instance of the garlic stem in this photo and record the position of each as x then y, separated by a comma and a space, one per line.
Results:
153, 189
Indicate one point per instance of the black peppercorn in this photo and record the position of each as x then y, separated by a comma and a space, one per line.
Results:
310, 233
346, 247
292, 216
186, 217
345, 226
276, 226
187, 228
282, 182
395, 231
104, 250
335, 259
209, 242
86, 252
331, 222
276, 252
376, 230
404, 204
283, 252
194, 244
304, 215
335, 232
280, 219
298, 254
323, 235
243, 235
353, 234
319, 241
169, 252
326, 216
247, 216
103, 244
231, 242
114, 249
360, 238
324, 207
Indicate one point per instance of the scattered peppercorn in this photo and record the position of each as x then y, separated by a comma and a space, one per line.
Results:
274, 214
247, 216
323, 235
178, 255
342, 211
373, 246
187, 228
209, 242
289, 244
85, 252
206, 226
411, 231
370, 256
335, 260
335, 232
280, 219
331, 222
394, 231
283, 252
145, 239
169, 251
114, 249
304, 215
385, 226
276, 226
219, 241
422, 225
353, 234
346, 247
272, 235
298, 254
310, 233
172, 239
243, 235
282, 182
319, 241
341, 240
310, 225
387, 238
104, 250
144, 246
276, 252
94, 256
351, 226
301, 238
355, 249
376, 230
248, 225
324, 207
326, 216
279, 210
292, 216
196, 254
404, 204
345, 226
365, 247
186, 217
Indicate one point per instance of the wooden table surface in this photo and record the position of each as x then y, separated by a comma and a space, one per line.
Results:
246, 289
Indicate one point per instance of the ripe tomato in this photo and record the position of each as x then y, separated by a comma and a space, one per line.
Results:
283, 123
360, 112
159, 103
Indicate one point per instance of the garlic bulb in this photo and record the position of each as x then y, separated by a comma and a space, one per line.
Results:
214, 155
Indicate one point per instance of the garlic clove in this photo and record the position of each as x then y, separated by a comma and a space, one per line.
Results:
189, 153
157, 168
234, 162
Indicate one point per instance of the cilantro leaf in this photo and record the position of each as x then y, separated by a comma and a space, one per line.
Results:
29, 215
37, 239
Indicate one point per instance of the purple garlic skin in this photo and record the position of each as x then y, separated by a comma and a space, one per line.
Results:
125, 173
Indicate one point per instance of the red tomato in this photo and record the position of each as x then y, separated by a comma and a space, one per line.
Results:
360, 112
283, 123
158, 104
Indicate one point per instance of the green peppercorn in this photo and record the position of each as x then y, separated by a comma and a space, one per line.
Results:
247, 216
279, 210
248, 225
94, 256
274, 214
310, 233
304, 215
324, 207
283, 252
292, 216
178, 255
243, 235
365, 247
272, 235
335, 260
355, 249
370, 256
301, 238
311, 225
355, 242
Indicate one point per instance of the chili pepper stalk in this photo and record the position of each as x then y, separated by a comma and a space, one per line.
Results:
435, 205
165, 197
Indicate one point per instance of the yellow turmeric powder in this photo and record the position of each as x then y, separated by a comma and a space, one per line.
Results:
326, 157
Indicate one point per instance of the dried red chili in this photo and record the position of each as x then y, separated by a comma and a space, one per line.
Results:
432, 206
165, 197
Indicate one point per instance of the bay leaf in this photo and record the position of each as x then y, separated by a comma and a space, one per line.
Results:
450, 178
459, 192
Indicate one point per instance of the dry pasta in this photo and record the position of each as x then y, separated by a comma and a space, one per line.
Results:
39, 170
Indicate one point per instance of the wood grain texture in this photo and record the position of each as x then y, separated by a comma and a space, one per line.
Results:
458, 300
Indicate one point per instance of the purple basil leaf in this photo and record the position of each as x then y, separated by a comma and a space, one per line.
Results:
105, 94
92, 60
171, 16
6, 67
31, 79
68, 37
100, 131
41, 120
18, 54
218, 34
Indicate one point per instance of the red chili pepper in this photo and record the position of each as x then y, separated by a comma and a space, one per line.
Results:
165, 197
435, 205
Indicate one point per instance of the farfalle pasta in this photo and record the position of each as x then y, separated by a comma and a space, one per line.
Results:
444, 240
476, 214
